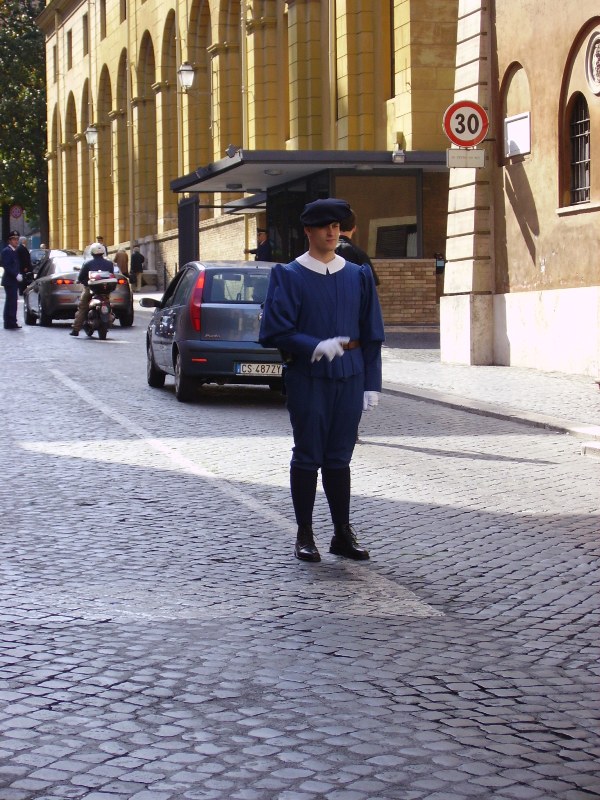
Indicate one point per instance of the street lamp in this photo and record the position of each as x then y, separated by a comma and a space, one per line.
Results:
185, 73
91, 135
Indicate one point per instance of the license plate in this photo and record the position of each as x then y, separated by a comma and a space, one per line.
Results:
258, 369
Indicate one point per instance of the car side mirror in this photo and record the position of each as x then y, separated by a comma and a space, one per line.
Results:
149, 302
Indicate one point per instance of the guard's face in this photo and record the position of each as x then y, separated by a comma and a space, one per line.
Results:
323, 239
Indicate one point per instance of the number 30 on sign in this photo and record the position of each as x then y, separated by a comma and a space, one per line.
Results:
466, 123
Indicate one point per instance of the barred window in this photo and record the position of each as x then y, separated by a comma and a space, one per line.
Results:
580, 151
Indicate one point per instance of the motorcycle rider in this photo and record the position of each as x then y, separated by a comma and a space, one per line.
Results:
97, 263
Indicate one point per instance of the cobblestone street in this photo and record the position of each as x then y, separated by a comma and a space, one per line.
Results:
160, 642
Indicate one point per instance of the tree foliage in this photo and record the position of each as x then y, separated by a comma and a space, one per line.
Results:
23, 168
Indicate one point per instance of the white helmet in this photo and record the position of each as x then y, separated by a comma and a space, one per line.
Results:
97, 249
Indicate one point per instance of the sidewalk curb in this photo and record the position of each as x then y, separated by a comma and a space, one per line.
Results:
499, 412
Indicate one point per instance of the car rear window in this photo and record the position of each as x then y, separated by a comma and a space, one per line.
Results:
62, 265
237, 287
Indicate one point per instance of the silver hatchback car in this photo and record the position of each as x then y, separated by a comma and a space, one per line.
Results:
205, 328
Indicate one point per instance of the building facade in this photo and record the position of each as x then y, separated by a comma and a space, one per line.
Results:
522, 282
268, 75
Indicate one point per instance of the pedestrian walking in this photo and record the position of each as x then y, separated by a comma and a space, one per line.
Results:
11, 280
323, 313
348, 249
263, 251
137, 267
121, 259
25, 265
97, 263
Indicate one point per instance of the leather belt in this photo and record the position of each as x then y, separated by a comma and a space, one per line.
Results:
351, 345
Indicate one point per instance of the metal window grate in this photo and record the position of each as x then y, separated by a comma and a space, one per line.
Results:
580, 152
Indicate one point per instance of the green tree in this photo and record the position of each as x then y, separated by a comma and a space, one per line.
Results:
23, 170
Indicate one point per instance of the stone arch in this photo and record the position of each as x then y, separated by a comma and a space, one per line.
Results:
167, 118
575, 82
104, 173
54, 178
121, 160
85, 116
199, 116
145, 131
71, 177
226, 79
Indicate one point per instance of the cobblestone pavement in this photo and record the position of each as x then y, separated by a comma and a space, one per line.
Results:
569, 402
160, 642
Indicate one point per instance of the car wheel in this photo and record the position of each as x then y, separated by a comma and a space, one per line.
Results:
126, 319
155, 376
45, 319
30, 318
184, 386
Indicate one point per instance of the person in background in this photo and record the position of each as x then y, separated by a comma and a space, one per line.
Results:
350, 251
97, 263
323, 313
137, 267
11, 279
100, 239
121, 259
25, 264
263, 251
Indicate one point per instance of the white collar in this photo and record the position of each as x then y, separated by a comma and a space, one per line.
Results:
335, 265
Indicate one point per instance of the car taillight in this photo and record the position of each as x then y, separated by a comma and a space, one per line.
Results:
62, 281
196, 301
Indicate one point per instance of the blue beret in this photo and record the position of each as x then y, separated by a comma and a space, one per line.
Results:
322, 212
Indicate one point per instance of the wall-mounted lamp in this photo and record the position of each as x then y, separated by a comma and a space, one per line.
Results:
91, 136
185, 73
398, 155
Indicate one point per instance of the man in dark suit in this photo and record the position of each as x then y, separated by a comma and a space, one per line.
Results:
350, 251
263, 251
10, 280
25, 264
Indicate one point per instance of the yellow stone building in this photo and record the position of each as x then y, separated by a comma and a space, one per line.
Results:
348, 81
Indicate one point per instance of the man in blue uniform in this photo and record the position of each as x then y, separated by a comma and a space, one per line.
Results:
323, 313
11, 279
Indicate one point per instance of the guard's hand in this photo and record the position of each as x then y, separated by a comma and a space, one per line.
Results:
330, 348
19, 277
370, 400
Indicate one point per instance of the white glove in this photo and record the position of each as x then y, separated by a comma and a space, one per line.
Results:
330, 348
19, 277
370, 400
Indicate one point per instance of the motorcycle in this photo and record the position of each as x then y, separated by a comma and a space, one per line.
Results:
100, 315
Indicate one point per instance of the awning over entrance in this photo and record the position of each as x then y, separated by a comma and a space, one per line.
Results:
255, 171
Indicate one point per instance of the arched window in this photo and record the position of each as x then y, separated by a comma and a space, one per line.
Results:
580, 151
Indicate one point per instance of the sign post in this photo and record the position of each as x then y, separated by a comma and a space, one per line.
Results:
466, 124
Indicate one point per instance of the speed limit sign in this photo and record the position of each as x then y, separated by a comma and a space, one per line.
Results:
466, 123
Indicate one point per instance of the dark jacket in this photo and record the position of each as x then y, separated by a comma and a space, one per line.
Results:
137, 262
95, 264
349, 251
12, 268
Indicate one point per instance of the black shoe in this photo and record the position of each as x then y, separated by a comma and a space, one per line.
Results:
344, 544
305, 548
12, 327
74, 333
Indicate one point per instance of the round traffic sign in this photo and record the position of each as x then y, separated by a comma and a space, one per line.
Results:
466, 123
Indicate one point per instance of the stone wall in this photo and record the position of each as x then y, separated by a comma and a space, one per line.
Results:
407, 291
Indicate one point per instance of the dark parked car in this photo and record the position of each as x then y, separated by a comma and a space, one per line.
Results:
55, 293
205, 328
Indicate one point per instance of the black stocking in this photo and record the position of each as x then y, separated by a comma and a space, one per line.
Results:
303, 484
336, 484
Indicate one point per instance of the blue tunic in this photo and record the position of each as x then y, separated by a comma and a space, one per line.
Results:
324, 398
